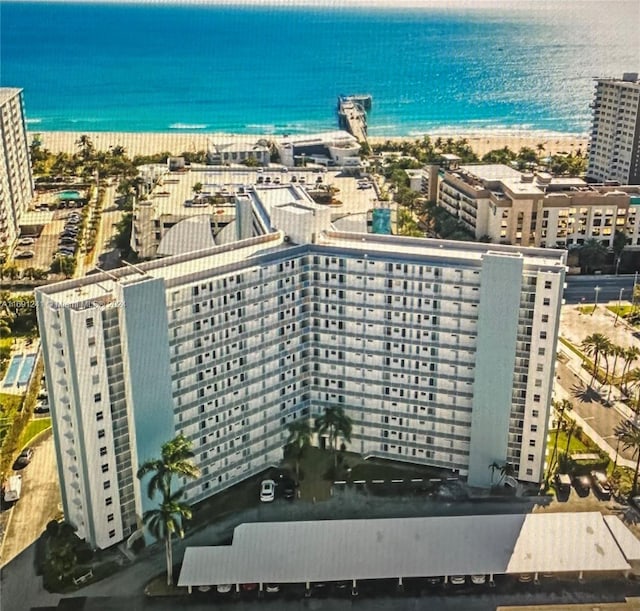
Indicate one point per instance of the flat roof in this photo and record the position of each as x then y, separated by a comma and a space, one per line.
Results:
335, 550
492, 171
6, 93
627, 541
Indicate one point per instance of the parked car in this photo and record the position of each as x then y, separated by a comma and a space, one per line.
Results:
42, 407
563, 482
25, 457
288, 487
68, 240
26, 242
525, 578
601, 484
224, 588
24, 254
434, 581
458, 580
582, 484
249, 587
267, 491
478, 579
66, 251
271, 588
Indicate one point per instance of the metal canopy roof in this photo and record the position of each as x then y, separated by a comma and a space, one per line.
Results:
334, 550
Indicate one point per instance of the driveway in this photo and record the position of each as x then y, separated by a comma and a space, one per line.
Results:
39, 502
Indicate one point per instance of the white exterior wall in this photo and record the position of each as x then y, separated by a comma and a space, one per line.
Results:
256, 343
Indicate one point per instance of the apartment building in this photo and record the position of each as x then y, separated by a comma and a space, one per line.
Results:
614, 149
511, 207
16, 181
425, 181
440, 352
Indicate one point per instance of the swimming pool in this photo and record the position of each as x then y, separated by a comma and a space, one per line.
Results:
12, 371
27, 367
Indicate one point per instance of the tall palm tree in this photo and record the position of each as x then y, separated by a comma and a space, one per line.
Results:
618, 352
175, 460
629, 437
337, 424
494, 466
506, 470
595, 345
300, 434
176, 456
561, 408
631, 354
165, 521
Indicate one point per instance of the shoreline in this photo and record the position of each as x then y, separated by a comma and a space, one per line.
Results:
147, 143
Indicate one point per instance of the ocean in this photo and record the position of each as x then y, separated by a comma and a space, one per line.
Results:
161, 67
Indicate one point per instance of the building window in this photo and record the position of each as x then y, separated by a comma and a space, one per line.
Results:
106, 485
104, 468
108, 501
103, 451
112, 534
531, 457
546, 301
101, 434
547, 284
97, 397
91, 341
99, 416
110, 518
532, 443
93, 361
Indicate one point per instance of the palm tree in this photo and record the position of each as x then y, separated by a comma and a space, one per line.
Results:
595, 344
630, 355
166, 520
494, 466
618, 351
561, 407
300, 434
337, 424
175, 460
592, 255
629, 437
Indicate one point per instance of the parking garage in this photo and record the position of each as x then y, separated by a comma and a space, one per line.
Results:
569, 544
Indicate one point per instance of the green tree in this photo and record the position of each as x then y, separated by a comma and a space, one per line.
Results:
85, 144
506, 470
504, 155
63, 265
629, 437
175, 461
62, 558
561, 408
595, 345
165, 521
494, 466
619, 242
300, 434
197, 188
592, 255
630, 355
335, 423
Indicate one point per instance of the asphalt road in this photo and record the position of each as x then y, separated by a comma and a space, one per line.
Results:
39, 501
582, 288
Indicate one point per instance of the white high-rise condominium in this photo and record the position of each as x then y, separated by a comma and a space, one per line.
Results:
442, 353
16, 181
614, 149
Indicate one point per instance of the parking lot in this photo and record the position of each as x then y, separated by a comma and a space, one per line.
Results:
46, 243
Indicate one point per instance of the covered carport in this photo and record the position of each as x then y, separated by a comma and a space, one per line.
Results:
401, 548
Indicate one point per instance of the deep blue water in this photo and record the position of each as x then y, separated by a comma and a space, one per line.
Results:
112, 67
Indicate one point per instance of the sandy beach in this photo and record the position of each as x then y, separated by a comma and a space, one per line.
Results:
176, 143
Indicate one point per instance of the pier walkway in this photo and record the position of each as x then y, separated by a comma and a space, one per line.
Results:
353, 117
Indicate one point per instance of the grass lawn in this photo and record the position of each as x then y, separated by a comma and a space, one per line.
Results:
575, 447
586, 309
34, 428
623, 310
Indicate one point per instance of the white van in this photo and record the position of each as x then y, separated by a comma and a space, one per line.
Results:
13, 488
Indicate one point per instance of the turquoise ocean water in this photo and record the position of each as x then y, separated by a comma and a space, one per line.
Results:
127, 67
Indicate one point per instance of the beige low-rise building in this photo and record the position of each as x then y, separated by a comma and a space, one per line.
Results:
511, 207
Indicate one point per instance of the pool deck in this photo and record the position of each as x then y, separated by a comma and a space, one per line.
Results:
22, 349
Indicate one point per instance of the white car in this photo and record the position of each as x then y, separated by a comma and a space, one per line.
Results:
24, 254
26, 242
458, 580
478, 579
267, 491
271, 588
223, 588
